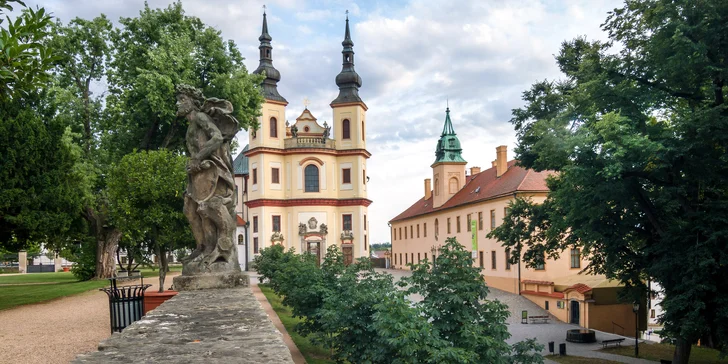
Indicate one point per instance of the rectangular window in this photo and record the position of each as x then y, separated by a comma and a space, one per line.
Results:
346, 219
508, 259
652, 313
277, 223
255, 176
457, 224
346, 175
363, 177
542, 266
482, 263
418, 230
255, 245
418, 258
275, 175
400, 258
448, 225
412, 258
467, 227
400, 233
492, 259
575, 258
425, 256
255, 224
480, 220
546, 305
412, 235
492, 219
395, 259
405, 232
365, 221
365, 242
424, 229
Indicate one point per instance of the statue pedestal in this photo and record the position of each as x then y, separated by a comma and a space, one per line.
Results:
210, 281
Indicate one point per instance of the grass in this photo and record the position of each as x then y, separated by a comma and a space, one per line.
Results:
60, 277
656, 352
578, 360
314, 354
13, 296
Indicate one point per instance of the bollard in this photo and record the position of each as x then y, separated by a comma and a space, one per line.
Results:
562, 349
551, 347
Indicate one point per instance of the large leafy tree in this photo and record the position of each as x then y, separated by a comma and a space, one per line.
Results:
636, 132
146, 193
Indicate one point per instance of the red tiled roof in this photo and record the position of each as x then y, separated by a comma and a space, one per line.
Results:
515, 179
545, 294
579, 287
546, 283
240, 220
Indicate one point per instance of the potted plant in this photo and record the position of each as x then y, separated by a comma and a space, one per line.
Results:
66, 269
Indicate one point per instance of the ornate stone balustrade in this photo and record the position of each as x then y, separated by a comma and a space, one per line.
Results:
309, 142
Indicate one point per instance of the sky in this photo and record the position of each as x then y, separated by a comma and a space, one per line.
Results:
414, 57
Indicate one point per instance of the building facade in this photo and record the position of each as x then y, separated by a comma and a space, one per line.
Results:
307, 188
454, 197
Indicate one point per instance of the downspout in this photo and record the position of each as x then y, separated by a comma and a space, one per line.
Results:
391, 241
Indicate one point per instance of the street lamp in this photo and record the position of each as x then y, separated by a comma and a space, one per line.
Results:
636, 309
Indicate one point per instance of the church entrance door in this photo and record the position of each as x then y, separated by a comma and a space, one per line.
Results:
348, 255
314, 247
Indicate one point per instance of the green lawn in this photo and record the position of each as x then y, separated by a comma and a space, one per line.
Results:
656, 352
61, 277
12, 296
314, 354
578, 360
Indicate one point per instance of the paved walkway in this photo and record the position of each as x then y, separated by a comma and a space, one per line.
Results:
544, 333
58, 330
298, 358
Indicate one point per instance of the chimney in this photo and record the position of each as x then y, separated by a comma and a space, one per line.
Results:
474, 170
428, 188
492, 164
501, 162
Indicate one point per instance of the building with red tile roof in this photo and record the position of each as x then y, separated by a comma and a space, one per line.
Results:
461, 200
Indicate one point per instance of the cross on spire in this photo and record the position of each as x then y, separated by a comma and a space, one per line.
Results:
263, 9
347, 14
306, 102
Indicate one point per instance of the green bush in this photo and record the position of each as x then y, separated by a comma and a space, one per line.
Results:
85, 262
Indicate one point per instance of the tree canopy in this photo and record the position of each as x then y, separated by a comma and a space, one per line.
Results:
635, 133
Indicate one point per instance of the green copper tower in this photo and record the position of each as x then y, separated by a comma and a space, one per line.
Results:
448, 147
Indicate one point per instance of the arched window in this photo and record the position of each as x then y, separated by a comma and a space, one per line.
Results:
437, 228
273, 128
362, 130
454, 187
437, 187
345, 129
240, 239
311, 174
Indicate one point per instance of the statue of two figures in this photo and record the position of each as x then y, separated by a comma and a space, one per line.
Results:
210, 198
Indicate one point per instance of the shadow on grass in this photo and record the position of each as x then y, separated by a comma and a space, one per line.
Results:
14, 296
655, 352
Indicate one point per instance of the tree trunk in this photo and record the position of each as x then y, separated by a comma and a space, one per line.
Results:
162, 259
682, 351
106, 244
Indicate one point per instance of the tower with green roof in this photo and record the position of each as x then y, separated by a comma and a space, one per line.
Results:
448, 170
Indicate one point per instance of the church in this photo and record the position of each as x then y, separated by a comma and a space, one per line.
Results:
306, 187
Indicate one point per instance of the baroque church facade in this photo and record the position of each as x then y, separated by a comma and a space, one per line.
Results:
306, 188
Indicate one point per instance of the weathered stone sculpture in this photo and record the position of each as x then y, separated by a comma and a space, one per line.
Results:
210, 198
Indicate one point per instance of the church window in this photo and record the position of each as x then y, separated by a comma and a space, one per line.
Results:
275, 175
454, 187
365, 242
273, 128
346, 222
277, 223
311, 178
362, 130
346, 175
255, 245
452, 143
363, 176
306, 129
255, 176
255, 224
241, 240
365, 221
345, 129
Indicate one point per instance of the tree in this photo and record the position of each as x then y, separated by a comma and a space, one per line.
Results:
637, 137
146, 192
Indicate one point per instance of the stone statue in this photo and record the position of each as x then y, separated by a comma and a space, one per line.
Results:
302, 229
294, 131
323, 229
210, 198
327, 131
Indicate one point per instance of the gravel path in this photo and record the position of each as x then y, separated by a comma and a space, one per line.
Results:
58, 330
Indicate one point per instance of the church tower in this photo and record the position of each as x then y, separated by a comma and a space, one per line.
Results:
271, 124
448, 171
349, 109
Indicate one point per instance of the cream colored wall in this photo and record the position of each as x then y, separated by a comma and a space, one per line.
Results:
239, 183
441, 175
332, 216
356, 114
263, 139
559, 313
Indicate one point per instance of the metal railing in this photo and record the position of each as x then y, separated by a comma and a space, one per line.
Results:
309, 142
126, 304
614, 331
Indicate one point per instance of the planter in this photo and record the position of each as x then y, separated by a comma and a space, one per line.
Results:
152, 300
581, 336
122, 273
66, 269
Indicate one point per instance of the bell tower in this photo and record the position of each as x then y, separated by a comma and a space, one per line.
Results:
271, 124
448, 171
349, 109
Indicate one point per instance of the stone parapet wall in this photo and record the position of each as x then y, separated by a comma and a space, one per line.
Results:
207, 326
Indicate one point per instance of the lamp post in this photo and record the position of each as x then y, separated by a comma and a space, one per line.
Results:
636, 309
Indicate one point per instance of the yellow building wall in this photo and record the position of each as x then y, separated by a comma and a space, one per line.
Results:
356, 114
560, 313
261, 137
